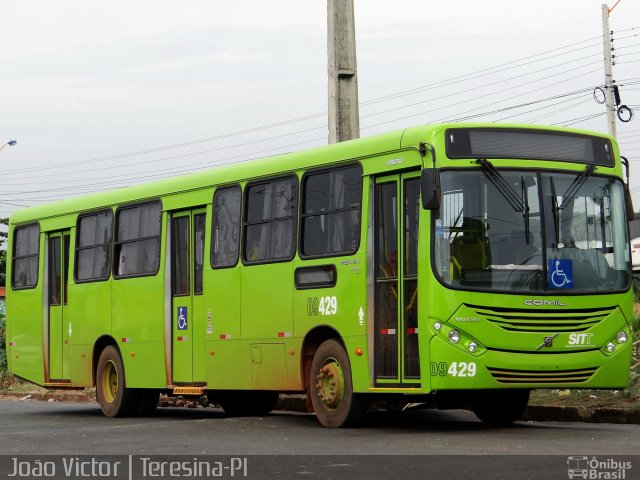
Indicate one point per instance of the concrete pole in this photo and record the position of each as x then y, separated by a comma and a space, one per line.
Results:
608, 72
344, 117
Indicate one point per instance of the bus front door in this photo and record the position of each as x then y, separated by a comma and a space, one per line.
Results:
187, 261
59, 325
396, 356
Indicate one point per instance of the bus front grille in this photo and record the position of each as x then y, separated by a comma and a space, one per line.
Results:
505, 375
537, 320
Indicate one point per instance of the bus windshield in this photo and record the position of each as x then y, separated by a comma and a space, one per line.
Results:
536, 232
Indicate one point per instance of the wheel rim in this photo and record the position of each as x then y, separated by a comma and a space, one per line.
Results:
330, 384
110, 381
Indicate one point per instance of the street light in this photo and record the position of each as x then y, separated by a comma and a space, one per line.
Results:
11, 143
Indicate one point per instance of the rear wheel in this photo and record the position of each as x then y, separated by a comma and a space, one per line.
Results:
331, 388
248, 403
500, 407
115, 399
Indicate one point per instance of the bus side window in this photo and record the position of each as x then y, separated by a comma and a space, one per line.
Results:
331, 212
93, 246
137, 251
270, 220
26, 246
225, 235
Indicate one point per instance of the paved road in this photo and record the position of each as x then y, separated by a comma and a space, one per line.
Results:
36, 428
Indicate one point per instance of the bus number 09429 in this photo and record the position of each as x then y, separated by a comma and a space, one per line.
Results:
456, 369
322, 306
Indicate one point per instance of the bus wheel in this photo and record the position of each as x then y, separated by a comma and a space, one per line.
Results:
114, 398
500, 407
248, 403
331, 388
148, 402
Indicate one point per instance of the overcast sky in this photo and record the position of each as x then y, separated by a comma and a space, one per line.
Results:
86, 88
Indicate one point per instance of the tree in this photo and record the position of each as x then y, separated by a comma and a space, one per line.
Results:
3, 267
3, 250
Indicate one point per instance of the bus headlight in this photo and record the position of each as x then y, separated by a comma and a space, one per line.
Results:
616, 343
622, 337
458, 338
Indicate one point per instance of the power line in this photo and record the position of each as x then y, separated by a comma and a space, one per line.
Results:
86, 171
564, 109
155, 160
476, 88
466, 77
445, 83
480, 73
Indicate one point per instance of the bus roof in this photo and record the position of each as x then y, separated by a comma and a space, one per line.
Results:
252, 169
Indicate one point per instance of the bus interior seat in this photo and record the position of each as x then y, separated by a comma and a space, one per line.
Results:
469, 248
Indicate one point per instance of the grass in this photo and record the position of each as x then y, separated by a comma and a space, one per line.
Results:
8, 381
627, 398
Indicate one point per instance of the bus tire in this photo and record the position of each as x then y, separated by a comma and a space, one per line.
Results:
331, 387
147, 402
114, 398
500, 407
250, 403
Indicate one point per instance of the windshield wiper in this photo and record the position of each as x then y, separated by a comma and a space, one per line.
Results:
568, 196
556, 211
576, 185
519, 204
525, 213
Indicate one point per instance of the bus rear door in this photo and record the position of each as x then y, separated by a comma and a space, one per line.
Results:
187, 261
59, 325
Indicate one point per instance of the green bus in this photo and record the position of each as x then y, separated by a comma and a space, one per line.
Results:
451, 265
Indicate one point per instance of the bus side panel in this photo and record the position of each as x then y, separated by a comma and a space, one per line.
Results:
90, 317
24, 336
227, 362
267, 318
138, 327
342, 308
228, 365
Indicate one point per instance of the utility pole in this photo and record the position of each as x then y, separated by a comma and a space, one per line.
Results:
344, 117
608, 72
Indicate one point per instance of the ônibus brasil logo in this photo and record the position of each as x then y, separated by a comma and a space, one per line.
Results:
597, 468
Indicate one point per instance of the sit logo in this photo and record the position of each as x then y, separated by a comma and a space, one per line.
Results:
579, 339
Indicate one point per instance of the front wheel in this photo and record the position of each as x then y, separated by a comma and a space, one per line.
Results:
115, 399
500, 407
331, 388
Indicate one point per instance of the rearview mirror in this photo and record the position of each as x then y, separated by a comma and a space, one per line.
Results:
627, 196
430, 188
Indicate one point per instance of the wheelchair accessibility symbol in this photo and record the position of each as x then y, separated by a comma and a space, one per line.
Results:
560, 273
183, 321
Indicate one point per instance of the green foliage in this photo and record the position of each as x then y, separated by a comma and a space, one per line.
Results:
3, 345
4, 223
3, 231
635, 361
3, 268
635, 328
